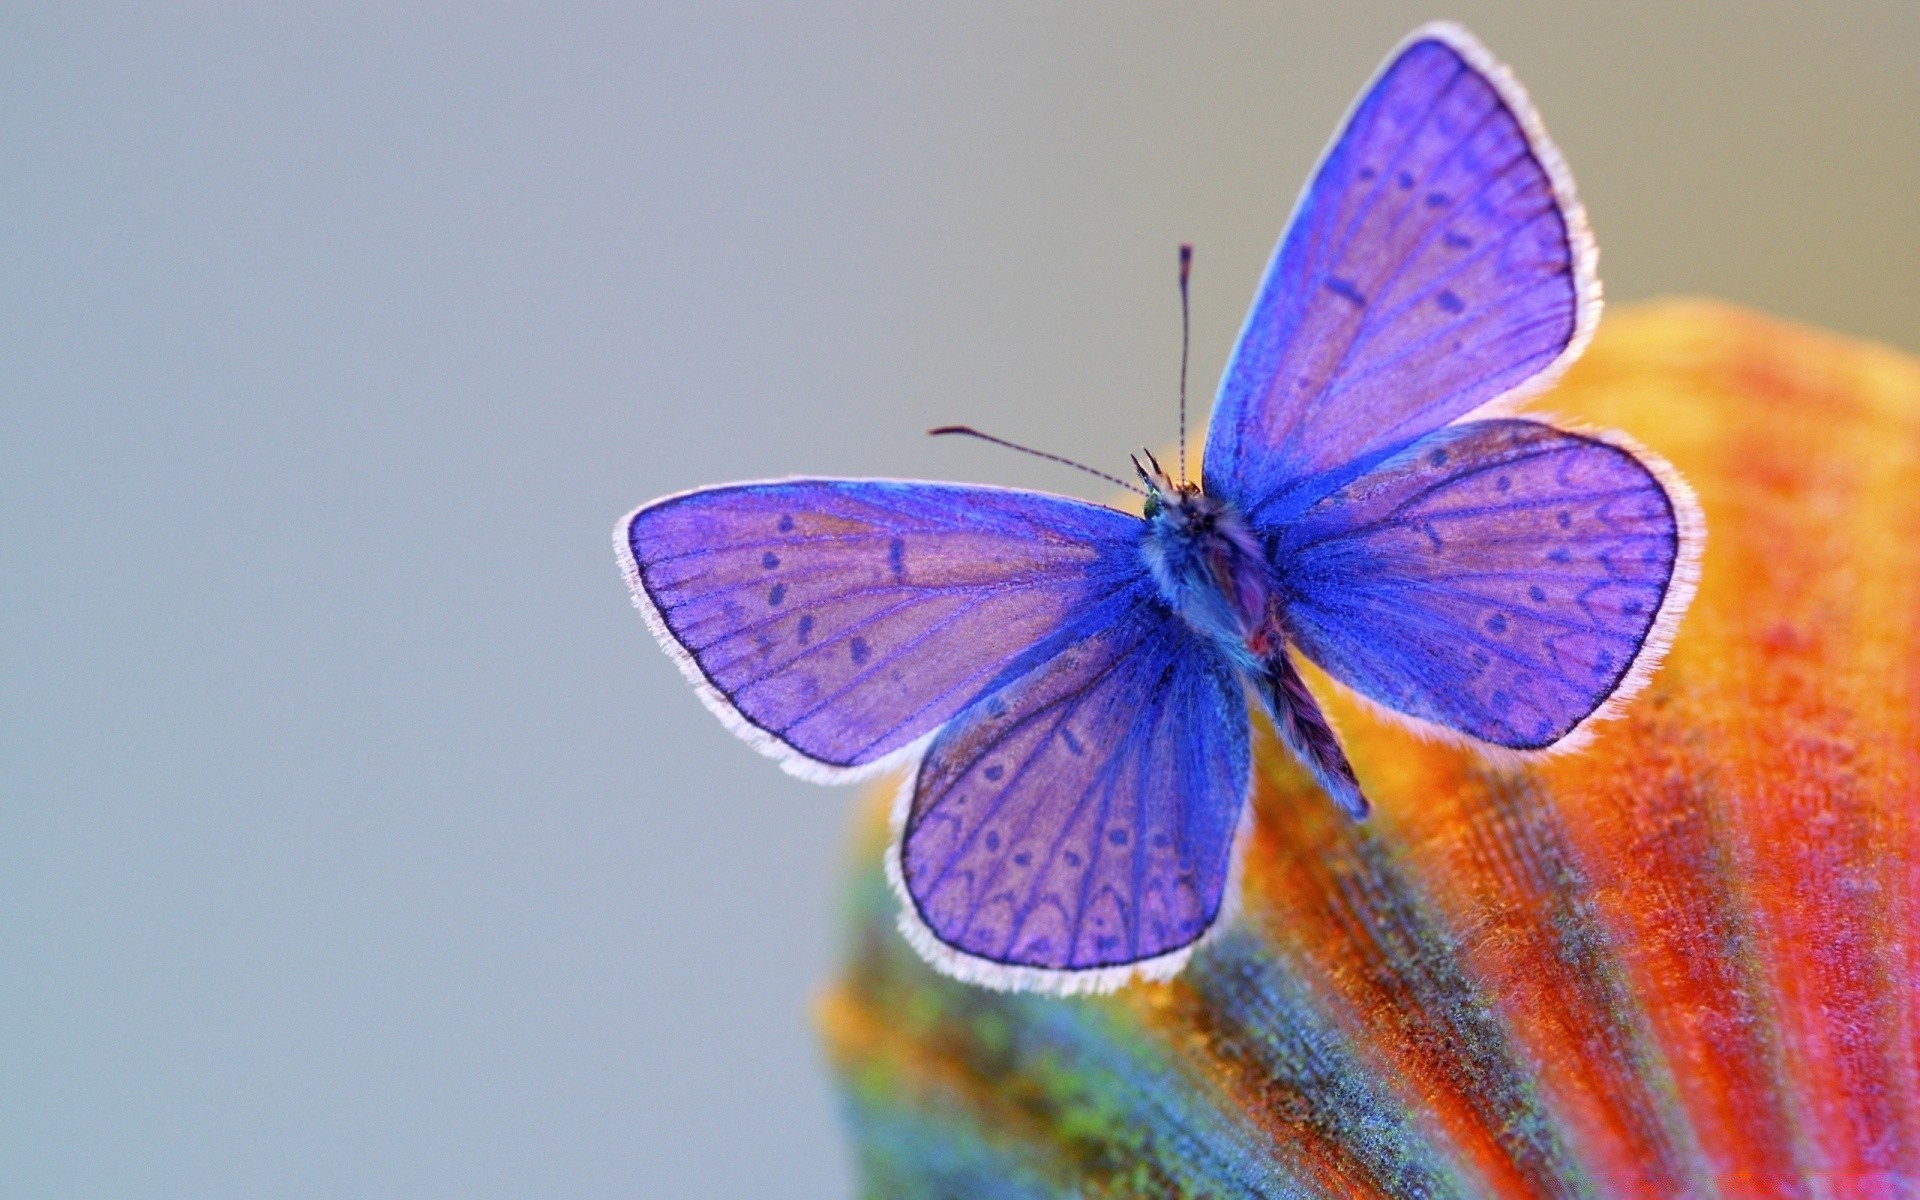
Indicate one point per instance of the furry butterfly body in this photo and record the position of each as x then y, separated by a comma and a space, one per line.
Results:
1068, 682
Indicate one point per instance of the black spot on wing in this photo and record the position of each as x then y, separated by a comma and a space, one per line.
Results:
1345, 289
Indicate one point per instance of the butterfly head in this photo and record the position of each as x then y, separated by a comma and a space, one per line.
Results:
1161, 490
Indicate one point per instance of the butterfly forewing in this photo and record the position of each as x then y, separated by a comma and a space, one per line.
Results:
1437, 262
845, 619
1500, 578
1083, 817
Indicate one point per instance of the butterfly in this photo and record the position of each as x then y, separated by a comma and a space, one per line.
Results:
1068, 685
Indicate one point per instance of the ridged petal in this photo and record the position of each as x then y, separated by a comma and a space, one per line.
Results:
1678, 962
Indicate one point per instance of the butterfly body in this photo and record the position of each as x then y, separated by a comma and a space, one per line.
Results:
1211, 569
1218, 575
1067, 684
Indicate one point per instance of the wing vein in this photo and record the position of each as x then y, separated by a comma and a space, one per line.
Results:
1070, 700
1324, 263
1339, 384
1025, 909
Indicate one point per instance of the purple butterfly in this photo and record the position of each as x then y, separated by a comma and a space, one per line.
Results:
1069, 681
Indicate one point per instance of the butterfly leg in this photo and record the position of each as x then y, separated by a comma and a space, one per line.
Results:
1306, 732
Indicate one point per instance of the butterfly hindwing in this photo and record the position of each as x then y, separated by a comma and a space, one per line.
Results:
834, 622
1078, 824
1437, 261
1501, 578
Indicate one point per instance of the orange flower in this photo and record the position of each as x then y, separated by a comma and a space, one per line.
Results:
1676, 963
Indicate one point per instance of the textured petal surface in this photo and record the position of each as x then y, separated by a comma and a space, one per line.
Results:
843, 619
1083, 817
1430, 268
1681, 963
1498, 578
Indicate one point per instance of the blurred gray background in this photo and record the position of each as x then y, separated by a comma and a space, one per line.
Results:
355, 839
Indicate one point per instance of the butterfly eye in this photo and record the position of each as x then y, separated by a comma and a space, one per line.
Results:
1152, 506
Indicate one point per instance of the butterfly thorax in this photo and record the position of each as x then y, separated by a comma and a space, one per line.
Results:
1211, 570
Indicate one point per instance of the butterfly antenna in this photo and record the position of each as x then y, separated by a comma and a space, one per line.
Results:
1186, 338
970, 431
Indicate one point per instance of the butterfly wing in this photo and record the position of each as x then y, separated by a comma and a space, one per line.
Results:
1437, 263
1077, 827
832, 623
1502, 579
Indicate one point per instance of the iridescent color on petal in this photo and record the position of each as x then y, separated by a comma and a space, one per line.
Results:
1679, 964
